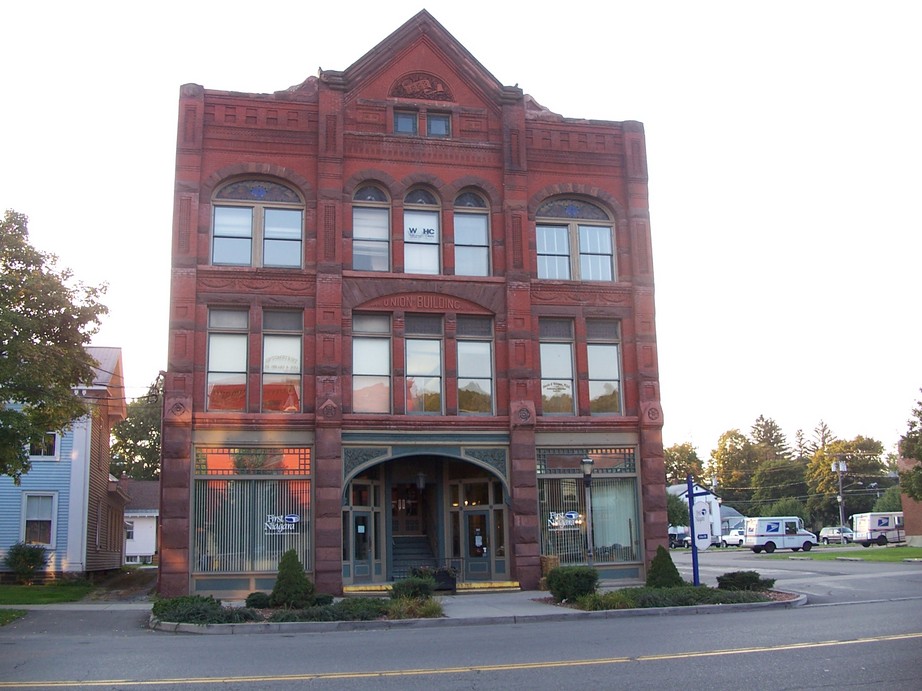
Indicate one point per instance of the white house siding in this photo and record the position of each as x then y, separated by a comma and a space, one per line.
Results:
144, 544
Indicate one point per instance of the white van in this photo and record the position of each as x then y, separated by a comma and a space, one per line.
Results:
777, 532
878, 528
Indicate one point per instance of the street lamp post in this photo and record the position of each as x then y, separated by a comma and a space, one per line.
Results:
839, 467
586, 465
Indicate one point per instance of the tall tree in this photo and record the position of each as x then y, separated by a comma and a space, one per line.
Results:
136, 449
732, 463
862, 458
768, 441
677, 510
682, 460
822, 437
46, 320
779, 479
911, 447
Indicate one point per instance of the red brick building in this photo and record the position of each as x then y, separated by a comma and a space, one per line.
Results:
407, 302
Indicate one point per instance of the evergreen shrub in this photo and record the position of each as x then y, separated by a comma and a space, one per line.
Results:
568, 583
25, 560
259, 600
744, 580
663, 573
414, 587
292, 589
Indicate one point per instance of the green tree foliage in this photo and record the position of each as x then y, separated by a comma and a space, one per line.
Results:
733, 464
788, 507
891, 500
768, 441
292, 589
663, 572
682, 460
778, 478
862, 457
676, 509
136, 445
911, 447
822, 437
46, 320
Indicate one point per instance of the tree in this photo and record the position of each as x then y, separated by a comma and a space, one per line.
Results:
862, 457
822, 437
136, 449
733, 464
676, 510
46, 320
777, 479
682, 460
889, 501
789, 507
911, 447
768, 441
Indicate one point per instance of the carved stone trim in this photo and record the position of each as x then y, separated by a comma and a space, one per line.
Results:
421, 85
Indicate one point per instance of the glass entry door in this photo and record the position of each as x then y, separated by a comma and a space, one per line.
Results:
478, 552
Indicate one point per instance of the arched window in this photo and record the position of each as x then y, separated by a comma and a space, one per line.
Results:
257, 223
472, 235
576, 241
370, 230
421, 234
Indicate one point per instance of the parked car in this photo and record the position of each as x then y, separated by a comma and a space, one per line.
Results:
733, 538
836, 533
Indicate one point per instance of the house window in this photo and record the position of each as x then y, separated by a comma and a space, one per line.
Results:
603, 338
257, 223
405, 122
250, 506
371, 363
556, 351
38, 518
46, 449
129, 530
370, 230
475, 365
281, 361
438, 125
571, 228
227, 360
423, 345
422, 245
472, 235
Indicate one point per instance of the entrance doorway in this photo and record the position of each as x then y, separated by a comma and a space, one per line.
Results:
478, 549
407, 509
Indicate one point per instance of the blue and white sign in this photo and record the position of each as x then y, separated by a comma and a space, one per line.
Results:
277, 524
883, 521
774, 527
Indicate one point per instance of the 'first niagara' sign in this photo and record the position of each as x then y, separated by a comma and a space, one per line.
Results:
278, 524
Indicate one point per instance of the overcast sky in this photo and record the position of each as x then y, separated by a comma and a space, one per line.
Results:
783, 139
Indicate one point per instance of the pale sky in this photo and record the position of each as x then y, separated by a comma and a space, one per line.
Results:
784, 144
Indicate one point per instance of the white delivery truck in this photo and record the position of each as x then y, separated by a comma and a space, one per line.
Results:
878, 528
777, 532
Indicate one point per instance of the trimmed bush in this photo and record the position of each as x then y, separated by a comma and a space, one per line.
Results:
663, 573
322, 599
744, 580
567, 583
292, 589
259, 600
25, 560
413, 587
414, 608
361, 608
615, 599
192, 609
683, 596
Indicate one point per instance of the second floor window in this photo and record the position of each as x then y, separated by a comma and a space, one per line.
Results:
475, 365
257, 223
371, 363
281, 361
603, 339
556, 351
46, 449
421, 235
424, 364
226, 381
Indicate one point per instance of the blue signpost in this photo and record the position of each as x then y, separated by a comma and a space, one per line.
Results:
691, 525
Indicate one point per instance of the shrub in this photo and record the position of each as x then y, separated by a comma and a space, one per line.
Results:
360, 608
24, 560
292, 589
323, 599
682, 596
615, 599
663, 573
192, 609
413, 587
744, 580
259, 600
414, 608
567, 583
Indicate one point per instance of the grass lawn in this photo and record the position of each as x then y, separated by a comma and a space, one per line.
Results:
8, 616
863, 553
42, 594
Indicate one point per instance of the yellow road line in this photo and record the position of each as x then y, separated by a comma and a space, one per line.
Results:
452, 670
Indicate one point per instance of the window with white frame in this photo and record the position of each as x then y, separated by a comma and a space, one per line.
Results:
257, 223
575, 240
557, 381
472, 235
370, 230
38, 518
421, 235
281, 391
226, 380
423, 346
371, 363
129, 530
603, 340
475, 365
46, 449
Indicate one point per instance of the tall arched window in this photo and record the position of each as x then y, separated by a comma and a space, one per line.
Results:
472, 235
371, 230
421, 234
576, 241
257, 223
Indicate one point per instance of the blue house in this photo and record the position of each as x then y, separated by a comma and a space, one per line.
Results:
68, 502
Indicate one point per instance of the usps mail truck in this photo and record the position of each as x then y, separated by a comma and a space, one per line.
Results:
878, 528
777, 532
